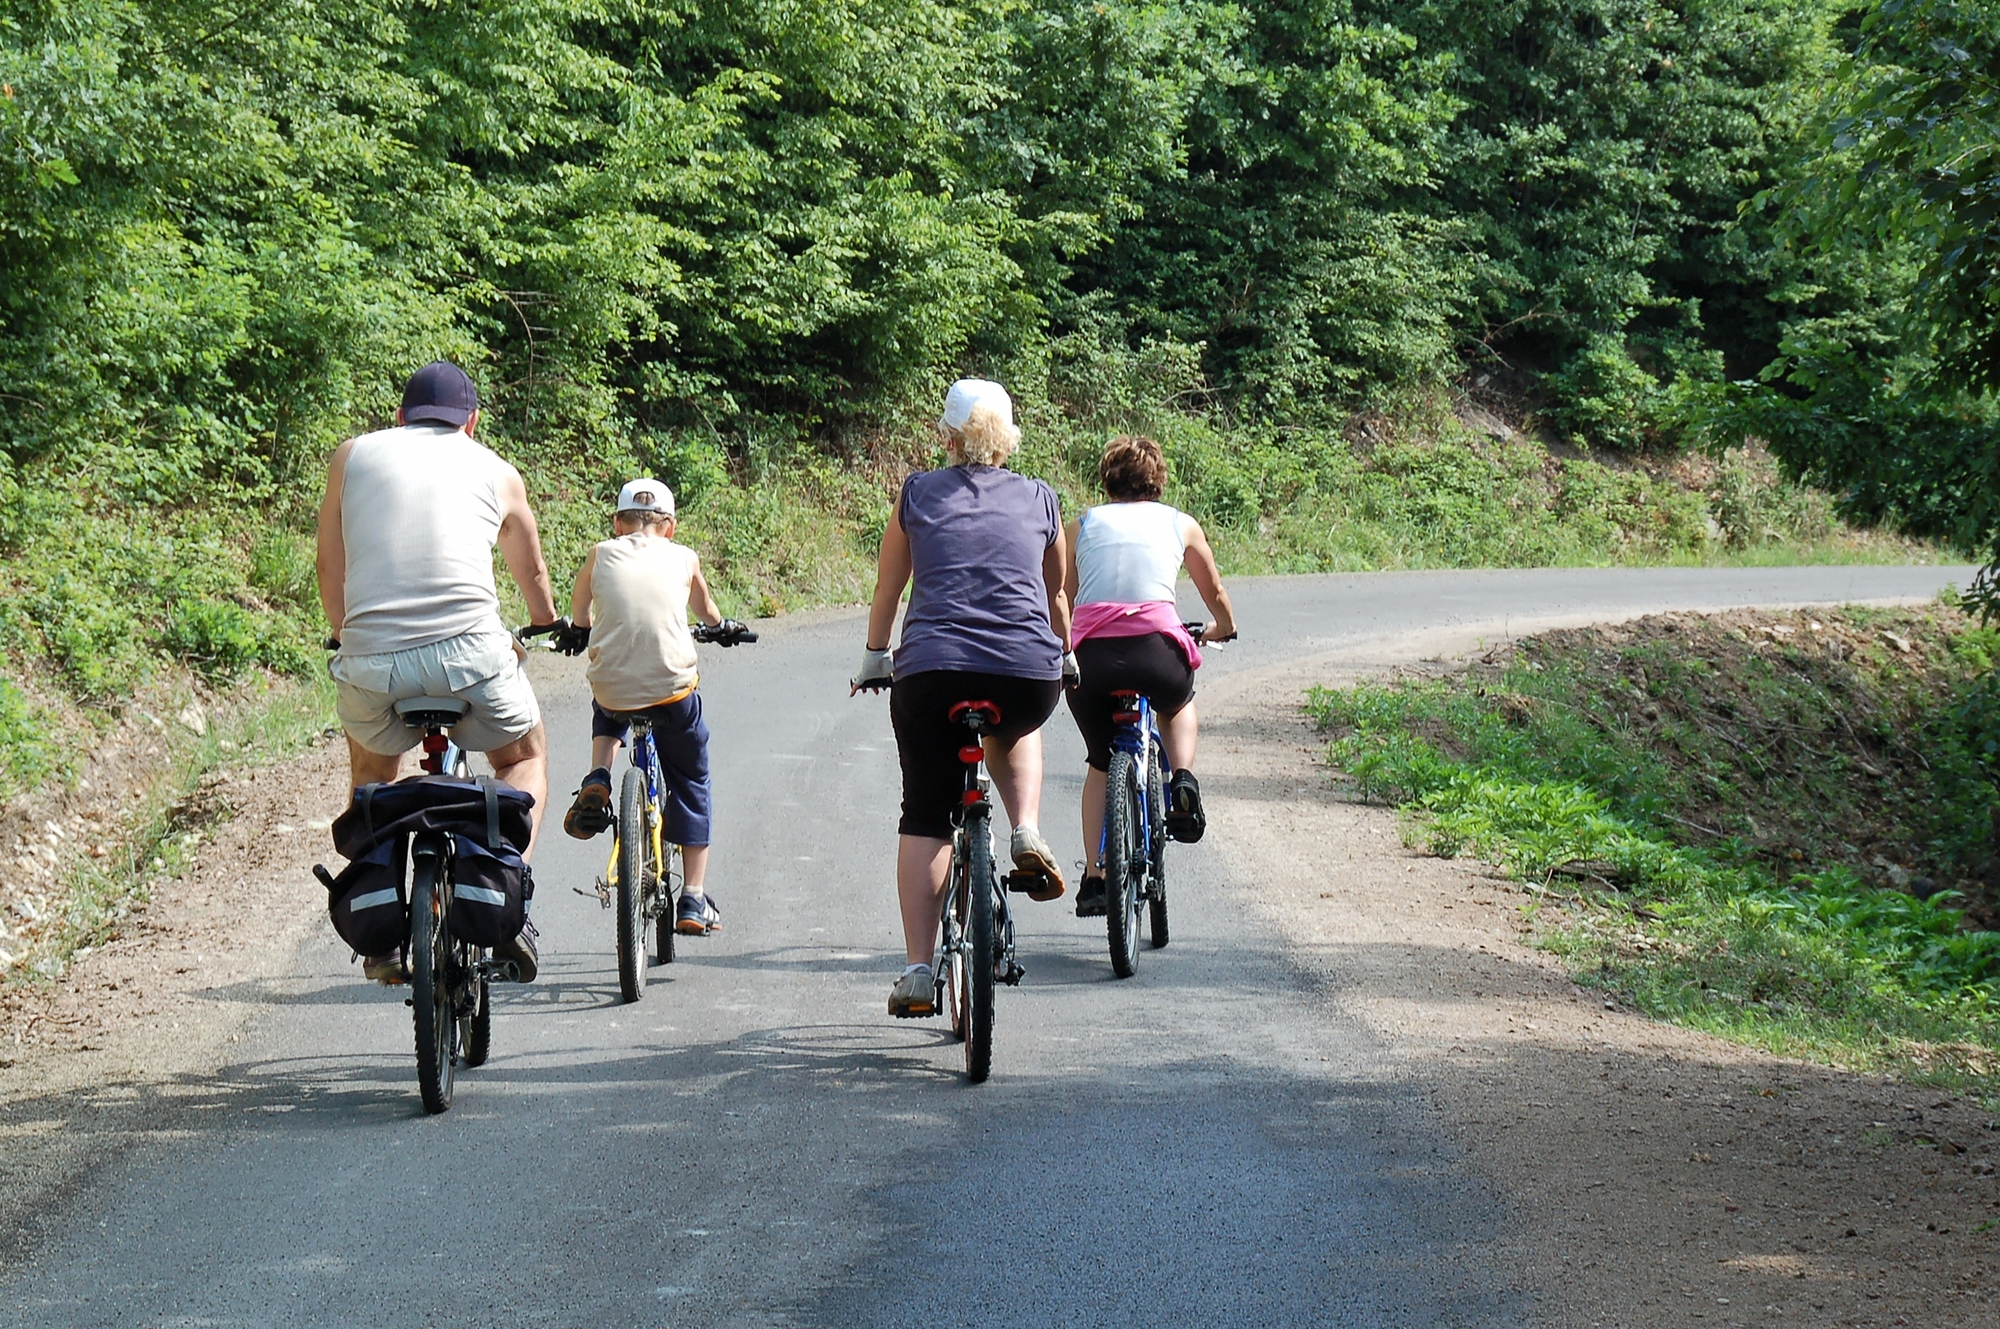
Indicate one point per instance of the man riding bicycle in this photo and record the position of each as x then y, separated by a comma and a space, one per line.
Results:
405, 566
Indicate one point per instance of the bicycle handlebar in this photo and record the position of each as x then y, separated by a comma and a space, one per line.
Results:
726, 633
1196, 629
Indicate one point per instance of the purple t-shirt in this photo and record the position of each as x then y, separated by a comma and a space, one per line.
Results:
977, 599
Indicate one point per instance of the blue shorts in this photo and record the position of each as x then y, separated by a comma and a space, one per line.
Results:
681, 740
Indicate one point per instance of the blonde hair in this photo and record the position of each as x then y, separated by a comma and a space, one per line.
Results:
987, 438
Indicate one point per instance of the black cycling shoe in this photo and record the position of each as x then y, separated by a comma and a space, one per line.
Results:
591, 813
1090, 897
1185, 819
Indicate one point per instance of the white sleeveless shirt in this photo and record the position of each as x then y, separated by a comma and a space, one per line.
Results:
641, 651
419, 515
1129, 553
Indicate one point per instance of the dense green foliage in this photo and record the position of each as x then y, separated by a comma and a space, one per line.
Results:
744, 244
1754, 830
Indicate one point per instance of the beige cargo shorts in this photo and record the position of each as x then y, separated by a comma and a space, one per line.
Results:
480, 668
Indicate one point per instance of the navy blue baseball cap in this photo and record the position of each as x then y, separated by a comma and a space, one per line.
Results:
440, 391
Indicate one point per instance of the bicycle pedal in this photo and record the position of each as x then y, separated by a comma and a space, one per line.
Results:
1015, 973
1027, 883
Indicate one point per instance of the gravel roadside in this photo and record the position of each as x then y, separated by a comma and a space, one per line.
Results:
137, 1036
1654, 1175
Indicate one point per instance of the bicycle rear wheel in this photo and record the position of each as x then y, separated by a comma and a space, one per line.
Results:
664, 942
634, 838
1156, 887
475, 1034
430, 983
981, 945
1124, 863
953, 988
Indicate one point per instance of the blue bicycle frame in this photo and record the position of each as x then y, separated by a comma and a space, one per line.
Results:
1134, 729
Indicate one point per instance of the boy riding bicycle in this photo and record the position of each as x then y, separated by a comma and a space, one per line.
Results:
631, 607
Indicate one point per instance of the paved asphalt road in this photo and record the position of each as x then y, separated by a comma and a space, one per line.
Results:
756, 1143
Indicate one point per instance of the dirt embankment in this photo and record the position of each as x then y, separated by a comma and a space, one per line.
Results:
1650, 1175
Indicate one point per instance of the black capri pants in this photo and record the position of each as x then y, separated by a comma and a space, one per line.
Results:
1152, 665
928, 739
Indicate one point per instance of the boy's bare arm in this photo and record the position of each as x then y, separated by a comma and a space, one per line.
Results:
330, 557
579, 600
700, 600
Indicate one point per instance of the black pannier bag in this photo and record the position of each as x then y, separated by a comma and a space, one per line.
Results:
366, 900
490, 824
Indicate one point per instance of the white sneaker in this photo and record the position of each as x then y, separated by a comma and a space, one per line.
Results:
1033, 858
914, 995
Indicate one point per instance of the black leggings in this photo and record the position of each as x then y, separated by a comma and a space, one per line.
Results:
928, 740
1151, 665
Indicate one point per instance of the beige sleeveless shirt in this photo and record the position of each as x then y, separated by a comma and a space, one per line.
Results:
419, 515
641, 651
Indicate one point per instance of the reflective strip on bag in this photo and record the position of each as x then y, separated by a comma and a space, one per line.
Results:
479, 895
372, 899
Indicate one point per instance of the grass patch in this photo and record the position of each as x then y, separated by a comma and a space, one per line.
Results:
1779, 828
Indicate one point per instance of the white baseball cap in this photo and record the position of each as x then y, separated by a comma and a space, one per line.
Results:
646, 496
970, 393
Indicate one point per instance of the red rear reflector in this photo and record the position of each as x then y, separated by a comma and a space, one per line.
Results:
1125, 717
970, 753
972, 796
435, 742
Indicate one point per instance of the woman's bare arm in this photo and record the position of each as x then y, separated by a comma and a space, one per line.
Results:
892, 574
1199, 560
1056, 576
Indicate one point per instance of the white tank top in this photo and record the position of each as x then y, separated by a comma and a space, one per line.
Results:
1129, 553
419, 514
641, 651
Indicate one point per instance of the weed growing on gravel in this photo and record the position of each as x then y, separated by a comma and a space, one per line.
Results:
159, 836
1703, 803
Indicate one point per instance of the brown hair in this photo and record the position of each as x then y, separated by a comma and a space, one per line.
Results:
1133, 468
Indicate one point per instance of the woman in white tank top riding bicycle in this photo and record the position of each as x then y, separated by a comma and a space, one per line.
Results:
1127, 634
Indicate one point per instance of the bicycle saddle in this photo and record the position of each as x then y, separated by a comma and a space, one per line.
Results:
418, 712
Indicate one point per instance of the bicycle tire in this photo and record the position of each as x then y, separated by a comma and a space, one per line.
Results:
430, 984
476, 1035
1124, 864
664, 942
1156, 887
633, 838
952, 988
981, 945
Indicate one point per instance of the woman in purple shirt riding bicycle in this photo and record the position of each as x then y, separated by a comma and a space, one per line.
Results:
981, 549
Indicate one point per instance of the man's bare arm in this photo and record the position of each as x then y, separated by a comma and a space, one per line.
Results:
521, 545
699, 598
579, 600
330, 559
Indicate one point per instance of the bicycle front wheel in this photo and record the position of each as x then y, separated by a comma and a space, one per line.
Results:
430, 983
981, 945
1124, 863
1156, 889
634, 836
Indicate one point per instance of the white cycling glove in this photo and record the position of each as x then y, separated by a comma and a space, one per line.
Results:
877, 668
1072, 671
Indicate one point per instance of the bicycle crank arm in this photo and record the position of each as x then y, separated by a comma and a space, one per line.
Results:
600, 892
